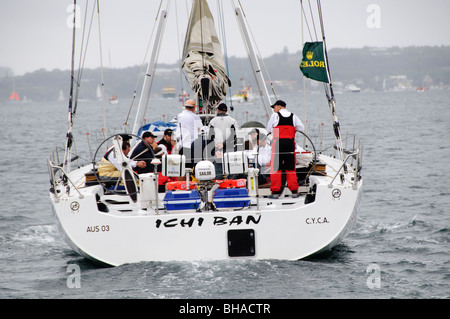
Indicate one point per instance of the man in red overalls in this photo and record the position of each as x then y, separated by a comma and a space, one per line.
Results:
283, 125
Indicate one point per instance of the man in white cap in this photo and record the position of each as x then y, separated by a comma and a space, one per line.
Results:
188, 128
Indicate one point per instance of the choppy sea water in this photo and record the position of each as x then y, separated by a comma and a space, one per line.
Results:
399, 247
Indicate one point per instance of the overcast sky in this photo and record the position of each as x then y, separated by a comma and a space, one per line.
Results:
36, 34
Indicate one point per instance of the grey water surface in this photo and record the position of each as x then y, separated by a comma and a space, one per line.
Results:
399, 247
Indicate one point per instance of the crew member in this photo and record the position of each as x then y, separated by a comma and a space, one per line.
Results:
222, 130
188, 128
110, 169
167, 140
283, 125
145, 151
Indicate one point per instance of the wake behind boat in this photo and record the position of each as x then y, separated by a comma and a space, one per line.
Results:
215, 210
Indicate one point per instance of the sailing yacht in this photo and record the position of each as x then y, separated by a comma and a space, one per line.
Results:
210, 211
14, 96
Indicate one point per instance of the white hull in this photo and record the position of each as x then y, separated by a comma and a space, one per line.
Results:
284, 228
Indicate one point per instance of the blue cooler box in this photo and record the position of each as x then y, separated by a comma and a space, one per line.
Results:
180, 200
231, 198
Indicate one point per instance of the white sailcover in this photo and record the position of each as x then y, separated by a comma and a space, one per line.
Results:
203, 62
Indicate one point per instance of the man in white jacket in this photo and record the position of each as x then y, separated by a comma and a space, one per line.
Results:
222, 133
222, 130
188, 128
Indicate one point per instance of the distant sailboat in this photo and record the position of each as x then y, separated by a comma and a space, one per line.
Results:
352, 88
61, 96
98, 93
169, 92
14, 96
113, 100
244, 95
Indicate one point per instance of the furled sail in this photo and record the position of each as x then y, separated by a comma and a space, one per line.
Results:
203, 62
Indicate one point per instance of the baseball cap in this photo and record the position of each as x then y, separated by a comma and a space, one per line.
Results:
280, 103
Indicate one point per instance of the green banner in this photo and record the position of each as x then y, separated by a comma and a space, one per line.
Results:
313, 62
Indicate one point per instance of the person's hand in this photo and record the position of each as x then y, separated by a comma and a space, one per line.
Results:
141, 164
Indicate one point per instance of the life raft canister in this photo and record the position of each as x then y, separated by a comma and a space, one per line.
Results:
180, 185
232, 183
227, 183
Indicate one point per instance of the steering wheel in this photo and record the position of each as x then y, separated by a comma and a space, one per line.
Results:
127, 176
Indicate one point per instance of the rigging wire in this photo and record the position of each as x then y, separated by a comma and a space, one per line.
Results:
224, 41
73, 96
302, 15
259, 53
101, 68
158, 47
69, 136
325, 50
133, 98
329, 92
81, 53
72, 67
156, 61
259, 56
312, 20
201, 38
328, 87
84, 39
179, 52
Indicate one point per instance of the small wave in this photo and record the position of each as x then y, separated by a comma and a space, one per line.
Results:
444, 193
384, 228
37, 235
369, 228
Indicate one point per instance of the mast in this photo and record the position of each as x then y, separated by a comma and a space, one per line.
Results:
264, 94
148, 80
69, 135
315, 65
329, 91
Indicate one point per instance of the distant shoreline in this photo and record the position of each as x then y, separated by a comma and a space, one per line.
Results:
369, 68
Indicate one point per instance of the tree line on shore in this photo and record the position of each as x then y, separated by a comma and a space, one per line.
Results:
369, 67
